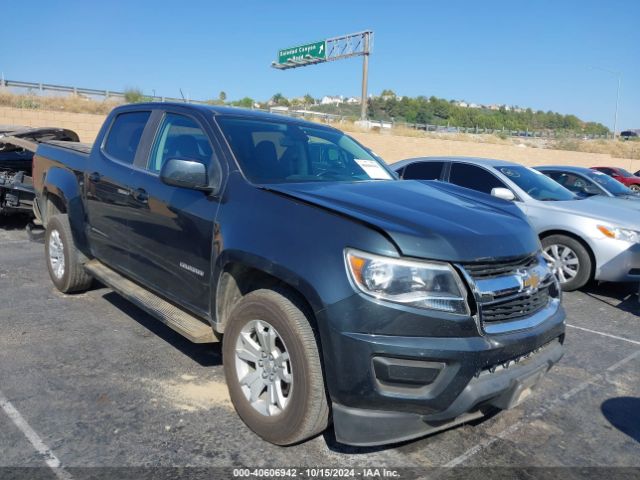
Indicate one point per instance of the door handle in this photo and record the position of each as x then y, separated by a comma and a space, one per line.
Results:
140, 194
94, 177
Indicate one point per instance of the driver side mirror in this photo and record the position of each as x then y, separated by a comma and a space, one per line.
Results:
503, 193
185, 173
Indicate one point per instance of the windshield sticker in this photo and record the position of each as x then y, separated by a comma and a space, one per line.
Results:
595, 172
373, 169
535, 171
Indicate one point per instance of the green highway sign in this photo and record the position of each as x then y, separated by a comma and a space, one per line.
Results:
316, 50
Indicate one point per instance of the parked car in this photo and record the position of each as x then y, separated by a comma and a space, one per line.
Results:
629, 134
392, 308
582, 238
624, 177
586, 182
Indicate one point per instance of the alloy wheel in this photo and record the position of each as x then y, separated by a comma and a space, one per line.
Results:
56, 254
263, 367
563, 261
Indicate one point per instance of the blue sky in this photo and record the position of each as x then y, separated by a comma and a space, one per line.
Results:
533, 54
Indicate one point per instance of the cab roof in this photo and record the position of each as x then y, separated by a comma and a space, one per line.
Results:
231, 111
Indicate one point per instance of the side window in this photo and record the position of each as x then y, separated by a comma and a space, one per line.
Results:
179, 137
567, 180
423, 171
124, 136
473, 177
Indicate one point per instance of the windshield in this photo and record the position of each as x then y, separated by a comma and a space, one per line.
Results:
611, 185
281, 152
624, 173
536, 184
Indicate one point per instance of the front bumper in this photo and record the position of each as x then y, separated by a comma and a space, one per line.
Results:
503, 389
617, 261
431, 376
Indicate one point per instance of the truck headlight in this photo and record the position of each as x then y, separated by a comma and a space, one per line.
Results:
620, 233
419, 284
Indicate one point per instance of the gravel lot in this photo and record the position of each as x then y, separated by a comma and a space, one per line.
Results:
90, 380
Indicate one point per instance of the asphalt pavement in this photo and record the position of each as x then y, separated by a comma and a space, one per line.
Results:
89, 383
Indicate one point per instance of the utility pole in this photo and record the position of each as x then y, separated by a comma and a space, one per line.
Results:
615, 120
619, 75
365, 76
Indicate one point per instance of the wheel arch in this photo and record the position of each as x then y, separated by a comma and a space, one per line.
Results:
237, 275
579, 239
61, 194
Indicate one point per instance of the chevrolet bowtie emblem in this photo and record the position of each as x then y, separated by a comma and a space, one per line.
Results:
529, 280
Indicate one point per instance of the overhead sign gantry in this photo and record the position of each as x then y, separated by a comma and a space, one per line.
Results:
336, 48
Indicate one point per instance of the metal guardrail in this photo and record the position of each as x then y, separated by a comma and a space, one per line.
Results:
92, 92
328, 117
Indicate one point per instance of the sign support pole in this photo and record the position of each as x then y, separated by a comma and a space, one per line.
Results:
365, 77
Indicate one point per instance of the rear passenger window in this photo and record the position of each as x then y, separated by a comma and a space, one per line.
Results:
423, 171
475, 178
124, 136
179, 137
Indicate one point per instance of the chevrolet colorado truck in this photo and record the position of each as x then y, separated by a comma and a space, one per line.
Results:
340, 294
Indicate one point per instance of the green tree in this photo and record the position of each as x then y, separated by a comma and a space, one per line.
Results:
309, 100
222, 96
280, 99
246, 102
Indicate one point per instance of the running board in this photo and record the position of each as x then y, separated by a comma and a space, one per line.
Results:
182, 322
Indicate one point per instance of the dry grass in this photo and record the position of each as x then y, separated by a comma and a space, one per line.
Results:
617, 149
71, 103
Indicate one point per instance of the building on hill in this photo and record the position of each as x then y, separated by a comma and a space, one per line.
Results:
332, 100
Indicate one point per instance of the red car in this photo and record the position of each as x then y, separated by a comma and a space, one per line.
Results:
620, 174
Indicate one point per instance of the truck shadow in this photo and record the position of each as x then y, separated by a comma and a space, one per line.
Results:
624, 414
14, 222
623, 296
205, 354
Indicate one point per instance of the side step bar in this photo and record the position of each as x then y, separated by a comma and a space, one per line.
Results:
182, 322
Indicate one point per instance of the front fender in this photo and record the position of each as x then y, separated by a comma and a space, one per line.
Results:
265, 265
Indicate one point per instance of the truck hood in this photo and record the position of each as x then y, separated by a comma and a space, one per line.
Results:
427, 219
611, 211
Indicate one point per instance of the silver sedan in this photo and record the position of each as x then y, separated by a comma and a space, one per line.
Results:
582, 238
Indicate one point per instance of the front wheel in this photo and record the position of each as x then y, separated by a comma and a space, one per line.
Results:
273, 370
635, 187
64, 260
568, 259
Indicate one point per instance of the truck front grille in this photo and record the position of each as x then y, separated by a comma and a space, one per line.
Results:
495, 269
521, 306
505, 291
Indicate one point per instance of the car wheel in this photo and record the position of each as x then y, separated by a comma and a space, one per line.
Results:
273, 370
64, 261
635, 187
568, 259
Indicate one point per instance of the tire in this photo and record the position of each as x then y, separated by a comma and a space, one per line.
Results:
564, 254
306, 411
64, 260
635, 187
